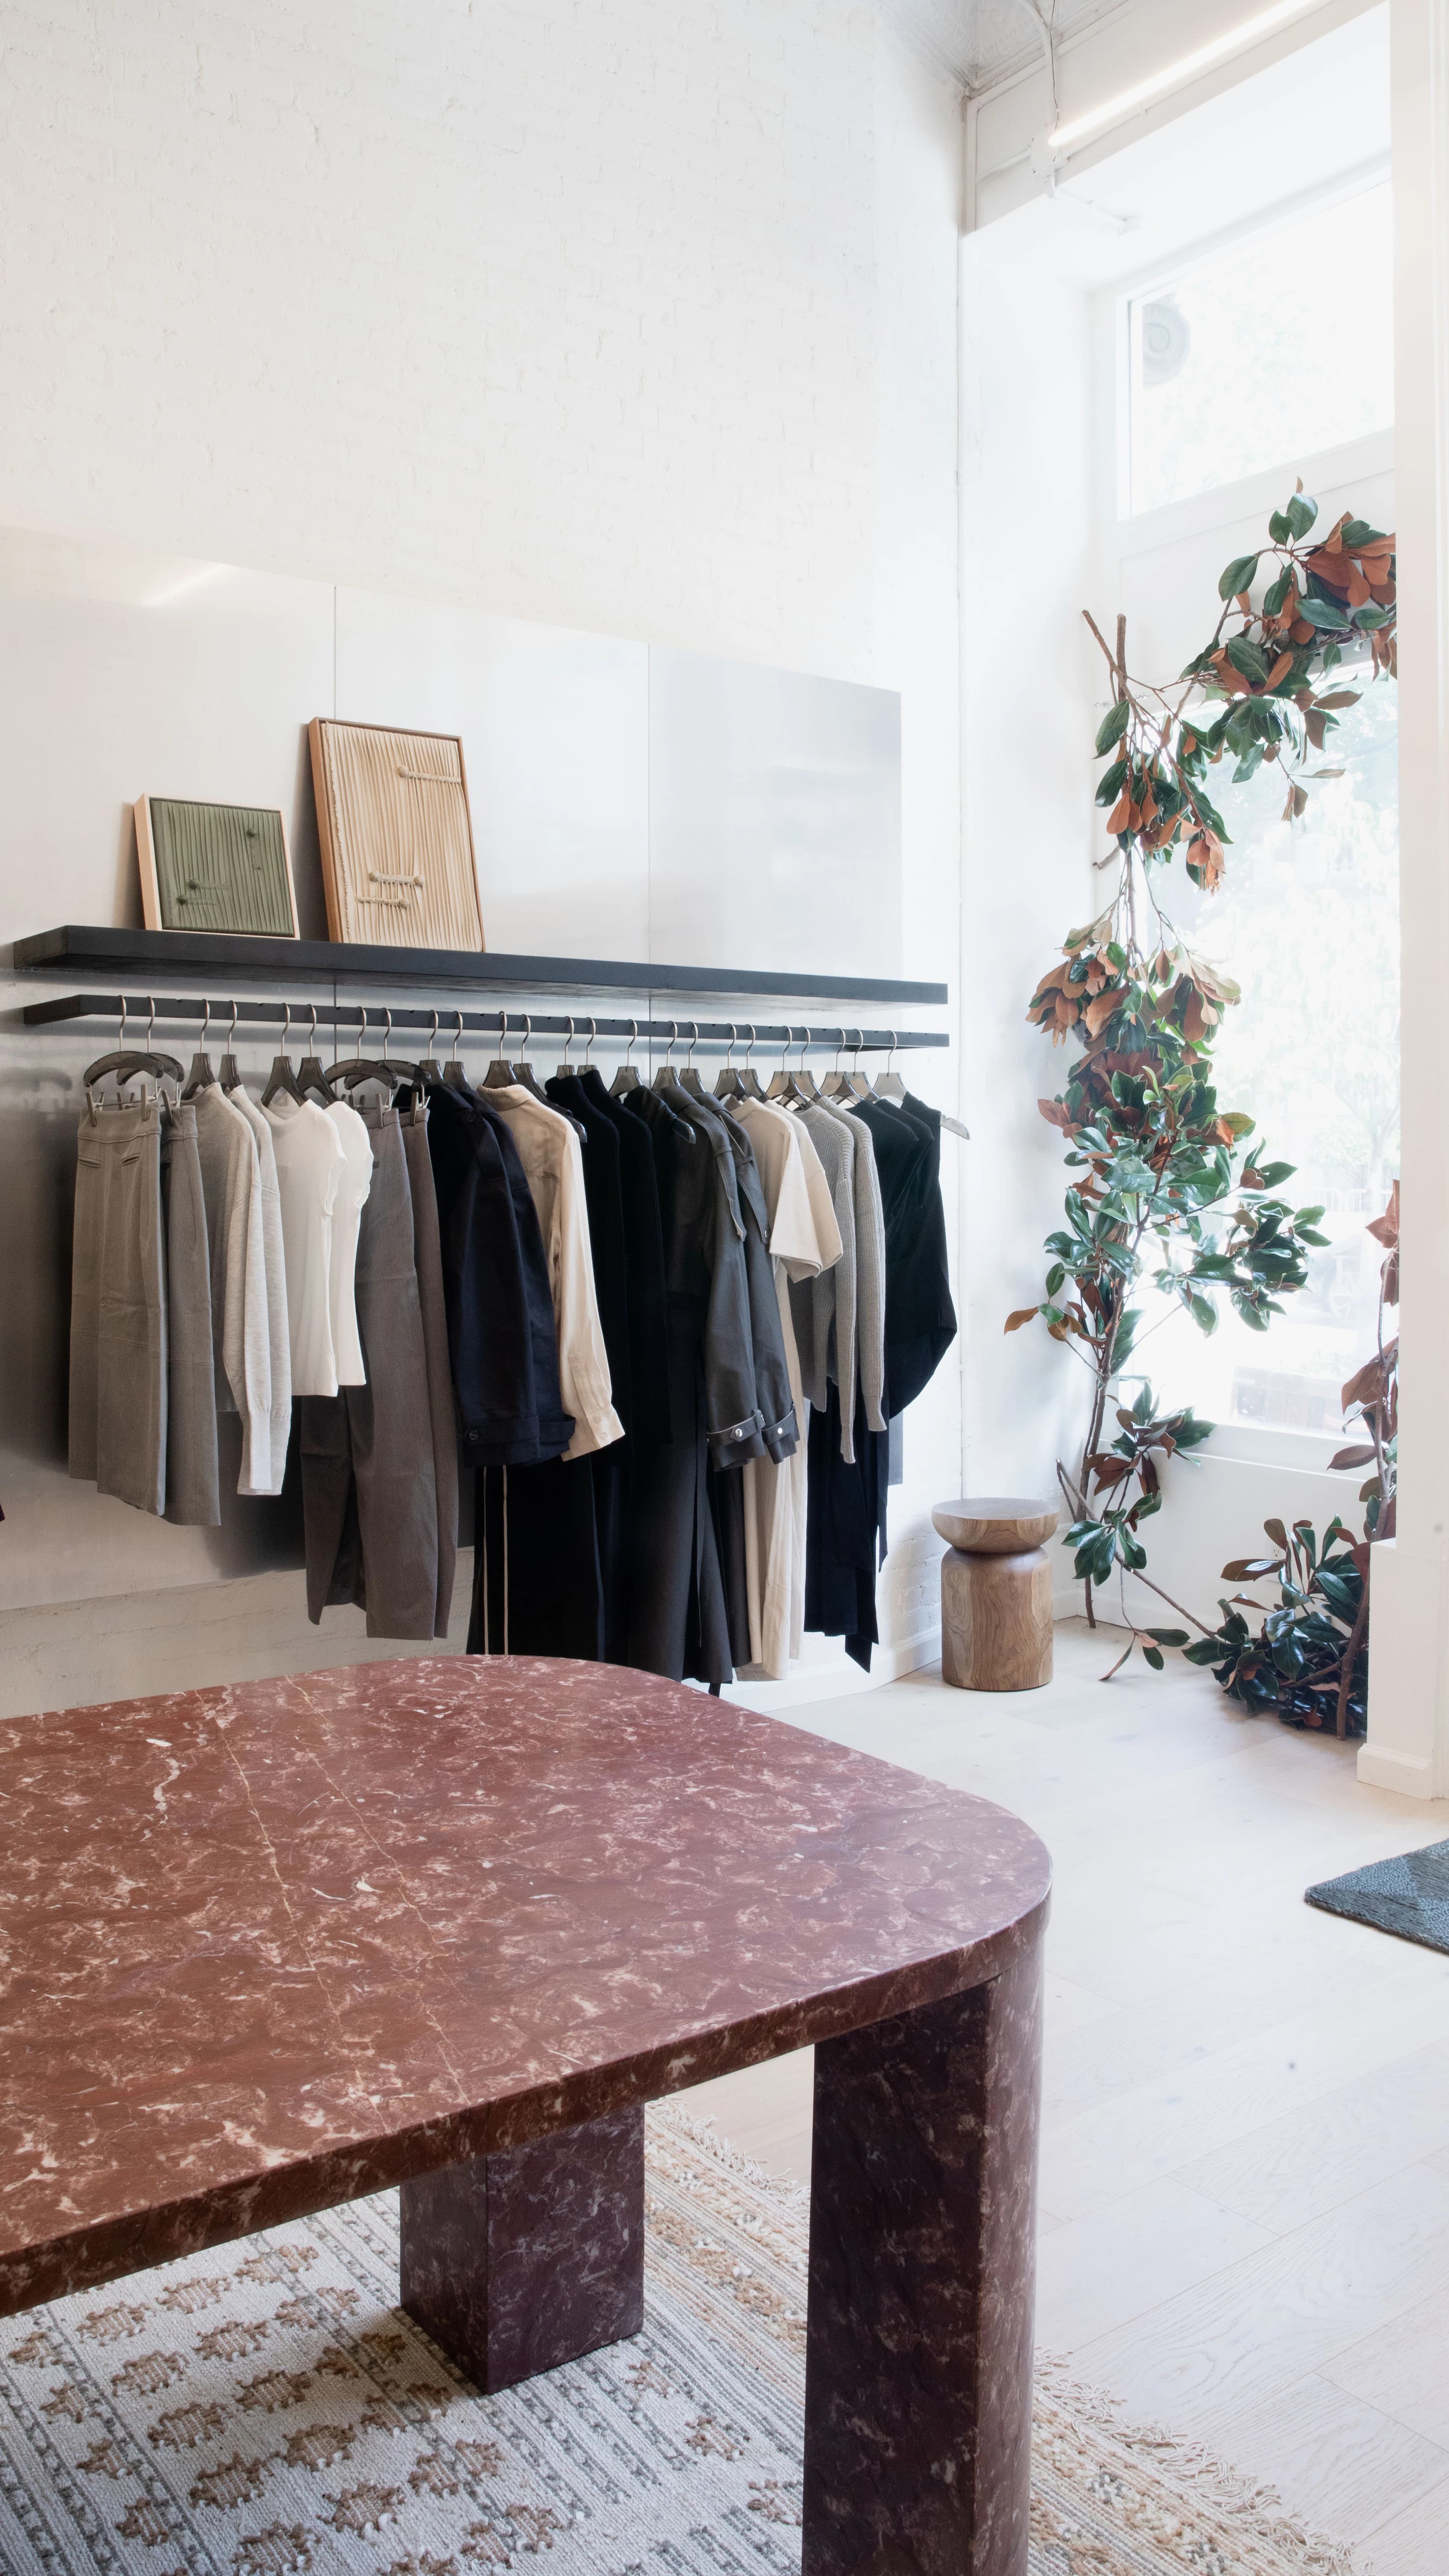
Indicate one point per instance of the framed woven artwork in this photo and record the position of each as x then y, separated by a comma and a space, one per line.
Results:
396, 836
214, 867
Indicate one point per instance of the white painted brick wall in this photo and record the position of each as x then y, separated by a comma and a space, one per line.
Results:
638, 315
576, 308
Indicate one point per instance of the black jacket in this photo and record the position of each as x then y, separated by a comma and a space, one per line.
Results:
644, 1263
501, 1337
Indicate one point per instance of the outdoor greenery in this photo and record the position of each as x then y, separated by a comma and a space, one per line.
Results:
1162, 1174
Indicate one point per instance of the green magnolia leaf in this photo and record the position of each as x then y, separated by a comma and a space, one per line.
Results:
1300, 514
1169, 1636
1113, 725
1240, 575
1109, 788
1153, 1655
1251, 660
1324, 613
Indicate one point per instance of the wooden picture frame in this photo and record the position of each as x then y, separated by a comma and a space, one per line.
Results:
396, 836
223, 868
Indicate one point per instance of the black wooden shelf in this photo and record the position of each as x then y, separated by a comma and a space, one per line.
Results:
209, 957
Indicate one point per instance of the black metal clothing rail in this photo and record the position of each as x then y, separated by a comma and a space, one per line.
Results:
145, 1009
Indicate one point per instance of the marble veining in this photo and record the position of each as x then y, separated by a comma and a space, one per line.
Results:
268, 1947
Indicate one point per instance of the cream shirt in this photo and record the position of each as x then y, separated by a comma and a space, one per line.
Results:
351, 1199
804, 1240
310, 1165
231, 1186
552, 1157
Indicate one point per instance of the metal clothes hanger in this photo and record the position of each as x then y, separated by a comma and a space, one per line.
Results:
836, 1084
499, 1074
888, 1085
125, 1061
312, 1079
523, 1071
689, 1080
281, 1077
371, 1068
747, 1078
727, 1081
666, 1073
561, 1072
626, 1079
783, 1085
454, 1077
230, 1075
201, 1077
859, 1082
804, 1079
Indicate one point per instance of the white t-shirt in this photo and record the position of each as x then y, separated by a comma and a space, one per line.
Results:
310, 1166
278, 1330
352, 1193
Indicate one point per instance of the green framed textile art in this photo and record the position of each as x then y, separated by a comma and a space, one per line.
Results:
214, 867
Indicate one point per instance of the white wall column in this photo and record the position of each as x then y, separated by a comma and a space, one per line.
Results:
1408, 1737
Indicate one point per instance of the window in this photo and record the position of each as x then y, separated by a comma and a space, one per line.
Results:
1307, 924
1279, 344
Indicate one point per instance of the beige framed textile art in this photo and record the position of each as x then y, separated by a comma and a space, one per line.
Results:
214, 867
396, 836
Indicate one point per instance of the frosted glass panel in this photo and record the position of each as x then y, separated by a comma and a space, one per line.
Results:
554, 732
774, 819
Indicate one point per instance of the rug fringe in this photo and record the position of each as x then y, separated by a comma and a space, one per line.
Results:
1251, 2504
703, 2133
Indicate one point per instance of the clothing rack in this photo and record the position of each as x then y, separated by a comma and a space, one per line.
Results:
582, 1027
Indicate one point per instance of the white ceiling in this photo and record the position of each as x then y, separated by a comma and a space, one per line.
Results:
1221, 165
978, 42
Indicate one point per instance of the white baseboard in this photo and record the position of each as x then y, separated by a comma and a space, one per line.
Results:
1409, 1775
836, 1677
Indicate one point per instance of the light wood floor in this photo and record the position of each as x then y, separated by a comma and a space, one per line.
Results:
1245, 2161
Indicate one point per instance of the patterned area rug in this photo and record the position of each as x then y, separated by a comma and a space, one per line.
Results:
266, 2410
1409, 1895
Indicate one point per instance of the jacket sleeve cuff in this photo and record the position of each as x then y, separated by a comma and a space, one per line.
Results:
782, 1439
737, 1442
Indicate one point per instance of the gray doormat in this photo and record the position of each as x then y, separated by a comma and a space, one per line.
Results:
1409, 1895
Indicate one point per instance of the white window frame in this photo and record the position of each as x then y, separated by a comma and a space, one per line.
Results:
1117, 450
1244, 505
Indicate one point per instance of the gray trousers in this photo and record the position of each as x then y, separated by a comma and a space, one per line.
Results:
428, 1262
369, 1487
193, 1496
118, 1308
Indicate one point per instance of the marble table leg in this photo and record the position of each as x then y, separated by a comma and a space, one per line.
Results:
919, 2344
515, 2263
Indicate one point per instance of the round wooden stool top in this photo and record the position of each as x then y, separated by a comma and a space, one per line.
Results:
995, 1524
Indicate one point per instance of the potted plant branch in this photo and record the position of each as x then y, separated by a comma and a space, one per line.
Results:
1163, 1171
1307, 1661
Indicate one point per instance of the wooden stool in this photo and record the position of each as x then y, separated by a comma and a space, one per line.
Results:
996, 1593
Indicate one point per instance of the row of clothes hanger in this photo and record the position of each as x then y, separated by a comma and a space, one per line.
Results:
790, 1084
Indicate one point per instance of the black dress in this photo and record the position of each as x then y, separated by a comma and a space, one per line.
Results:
677, 1623
920, 1319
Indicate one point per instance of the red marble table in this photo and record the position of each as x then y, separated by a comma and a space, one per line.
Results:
450, 1924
